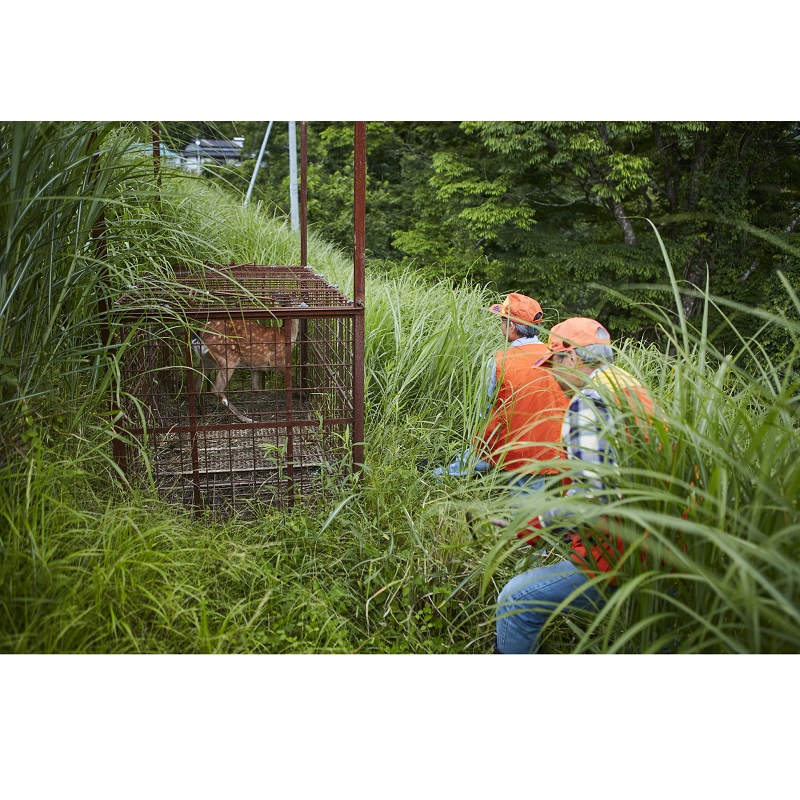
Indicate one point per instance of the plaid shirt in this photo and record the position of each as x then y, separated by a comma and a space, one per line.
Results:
583, 433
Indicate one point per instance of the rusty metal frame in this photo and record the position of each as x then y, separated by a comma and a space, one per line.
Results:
251, 292
359, 224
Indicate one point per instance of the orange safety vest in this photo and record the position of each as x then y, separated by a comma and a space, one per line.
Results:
524, 424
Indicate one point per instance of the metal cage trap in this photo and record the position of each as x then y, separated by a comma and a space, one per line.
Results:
279, 341
243, 385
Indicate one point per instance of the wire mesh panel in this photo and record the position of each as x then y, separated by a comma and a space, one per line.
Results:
237, 386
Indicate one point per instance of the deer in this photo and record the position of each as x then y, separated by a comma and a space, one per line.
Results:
227, 344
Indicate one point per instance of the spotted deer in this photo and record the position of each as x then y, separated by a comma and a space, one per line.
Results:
227, 344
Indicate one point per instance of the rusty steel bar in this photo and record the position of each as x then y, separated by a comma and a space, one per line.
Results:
312, 312
190, 378
359, 215
303, 238
289, 427
303, 194
330, 422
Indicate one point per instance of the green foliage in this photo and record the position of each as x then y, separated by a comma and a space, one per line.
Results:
548, 208
707, 506
55, 181
90, 565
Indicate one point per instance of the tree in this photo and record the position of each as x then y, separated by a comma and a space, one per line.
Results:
554, 207
558, 210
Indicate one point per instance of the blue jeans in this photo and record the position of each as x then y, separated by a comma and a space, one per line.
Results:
526, 602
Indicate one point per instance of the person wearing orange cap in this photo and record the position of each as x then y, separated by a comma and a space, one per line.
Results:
523, 423
580, 356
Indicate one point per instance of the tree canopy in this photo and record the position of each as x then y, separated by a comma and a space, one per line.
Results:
560, 210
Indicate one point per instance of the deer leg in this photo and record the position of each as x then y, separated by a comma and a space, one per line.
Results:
206, 365
220, 382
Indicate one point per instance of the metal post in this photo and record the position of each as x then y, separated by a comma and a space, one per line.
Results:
359, 225
193, 431
258, 164
303, 194
157, 161
303, 242
293, 175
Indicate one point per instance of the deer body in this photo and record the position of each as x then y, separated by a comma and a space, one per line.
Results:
227, 344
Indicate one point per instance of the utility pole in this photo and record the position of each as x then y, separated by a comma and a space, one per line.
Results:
258, 164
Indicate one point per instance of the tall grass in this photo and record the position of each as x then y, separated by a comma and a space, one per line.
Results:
54, 179
708, 506
90, 565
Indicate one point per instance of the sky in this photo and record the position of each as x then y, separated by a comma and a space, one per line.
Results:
416, 60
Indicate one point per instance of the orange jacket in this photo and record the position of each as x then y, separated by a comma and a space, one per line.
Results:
524, 424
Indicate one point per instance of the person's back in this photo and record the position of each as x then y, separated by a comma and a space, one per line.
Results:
524, 424
612, 403
616, 383
580, 359
524, 405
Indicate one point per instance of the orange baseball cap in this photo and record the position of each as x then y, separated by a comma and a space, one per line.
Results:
575, 332
518, 308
